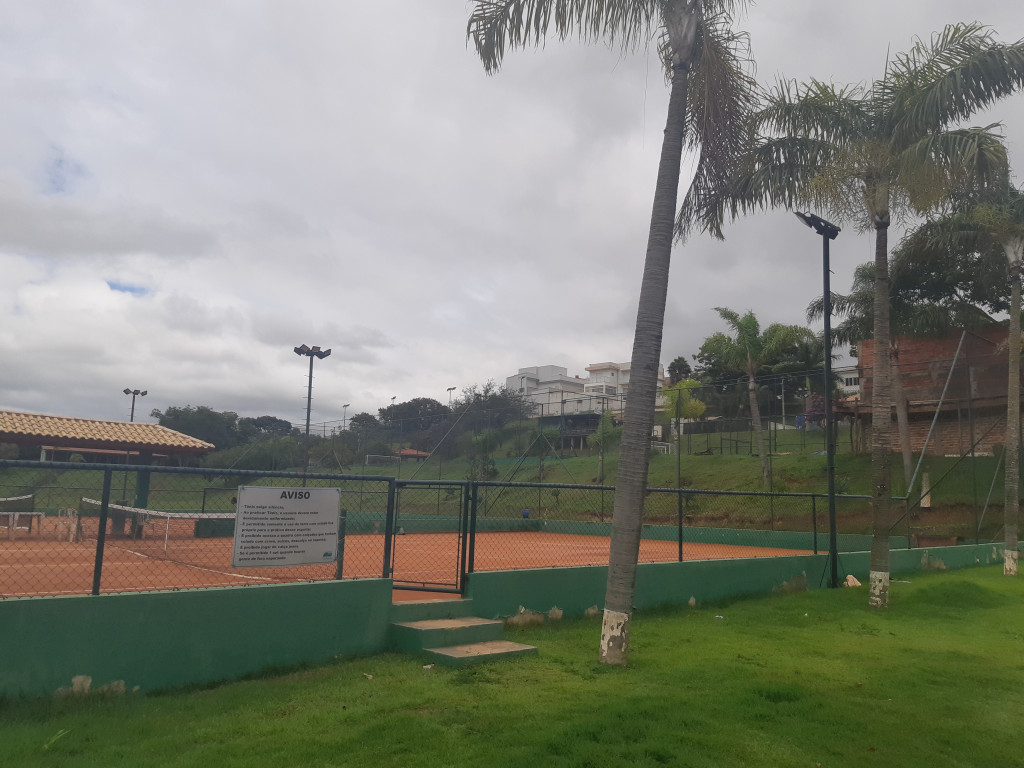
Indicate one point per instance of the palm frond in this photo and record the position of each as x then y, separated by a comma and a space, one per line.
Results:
816, 110
497, 25
967, 158
961, 70
721, 95
778, 172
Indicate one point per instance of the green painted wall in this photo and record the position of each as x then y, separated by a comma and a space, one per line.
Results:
163, 639
575, 590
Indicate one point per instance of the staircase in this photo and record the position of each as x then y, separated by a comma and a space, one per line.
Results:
446, 632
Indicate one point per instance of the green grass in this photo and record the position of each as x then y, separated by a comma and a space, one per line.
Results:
792, 680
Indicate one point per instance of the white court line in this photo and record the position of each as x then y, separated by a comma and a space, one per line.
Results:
197, 567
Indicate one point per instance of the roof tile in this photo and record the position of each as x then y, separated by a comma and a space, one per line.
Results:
18, 427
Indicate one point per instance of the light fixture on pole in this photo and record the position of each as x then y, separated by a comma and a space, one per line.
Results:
450, 390
828, 231
134, 393
310, 352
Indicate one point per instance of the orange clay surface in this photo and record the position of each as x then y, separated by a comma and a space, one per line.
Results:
31, 565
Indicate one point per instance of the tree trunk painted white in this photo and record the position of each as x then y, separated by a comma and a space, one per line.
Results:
1011, 498
681, 19
881, 418
878, 589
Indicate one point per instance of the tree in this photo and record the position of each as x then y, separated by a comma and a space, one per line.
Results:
606, 436
751, 349
681, 404
868, 155
414, 415
490, 406
709, 93
679, 370
978, 230
202, 422
267, 426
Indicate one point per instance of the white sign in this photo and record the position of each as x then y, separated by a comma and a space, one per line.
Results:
285, 526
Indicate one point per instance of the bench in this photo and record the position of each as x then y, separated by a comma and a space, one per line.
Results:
16, 507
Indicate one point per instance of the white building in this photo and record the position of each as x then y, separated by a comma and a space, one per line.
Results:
554, 391
548, 387
848, 378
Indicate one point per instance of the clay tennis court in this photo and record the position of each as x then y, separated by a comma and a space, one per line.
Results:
42, 565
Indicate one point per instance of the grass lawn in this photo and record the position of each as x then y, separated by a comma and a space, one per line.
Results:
803, 679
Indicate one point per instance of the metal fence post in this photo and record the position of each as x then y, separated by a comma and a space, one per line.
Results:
679, 506
472, 489
389, 529
342, 520
101, 537
906, 514
814, 521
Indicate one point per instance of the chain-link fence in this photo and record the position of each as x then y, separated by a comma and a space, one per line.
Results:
80, 528
76, 528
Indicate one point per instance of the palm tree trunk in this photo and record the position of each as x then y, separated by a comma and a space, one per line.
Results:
755, 420
1011, 503
631, 482
881, 419
902, 418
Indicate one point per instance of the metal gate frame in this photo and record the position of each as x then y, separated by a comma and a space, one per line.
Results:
393, 530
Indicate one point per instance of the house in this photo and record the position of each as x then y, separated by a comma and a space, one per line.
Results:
554, 392
962, 375
549, 387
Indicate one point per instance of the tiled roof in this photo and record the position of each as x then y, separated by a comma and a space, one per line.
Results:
38, 429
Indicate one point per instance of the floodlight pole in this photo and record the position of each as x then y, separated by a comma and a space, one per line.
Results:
828, 231
128, 454
134, 393
310, 352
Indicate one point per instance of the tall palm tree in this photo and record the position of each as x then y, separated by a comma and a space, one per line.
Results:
868, 155
909, 315
749, 349
989, 225
709, 94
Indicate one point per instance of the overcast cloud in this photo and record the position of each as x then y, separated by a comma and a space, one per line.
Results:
189, 189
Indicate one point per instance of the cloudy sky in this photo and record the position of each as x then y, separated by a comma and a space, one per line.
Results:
191, 188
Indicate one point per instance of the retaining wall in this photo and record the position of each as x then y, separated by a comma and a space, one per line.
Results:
164, 639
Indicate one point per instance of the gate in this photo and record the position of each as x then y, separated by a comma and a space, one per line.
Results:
428, 535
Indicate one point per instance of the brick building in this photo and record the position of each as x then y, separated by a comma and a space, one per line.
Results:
973, 411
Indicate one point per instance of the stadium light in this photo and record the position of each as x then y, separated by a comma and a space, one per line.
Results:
311, 353
828, 231
344, 415
450, 390
134, 393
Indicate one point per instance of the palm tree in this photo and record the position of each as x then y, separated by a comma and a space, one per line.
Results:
910, 314
749, 350
709, 94
868, 155
977, 229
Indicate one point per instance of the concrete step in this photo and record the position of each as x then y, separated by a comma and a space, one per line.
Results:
477, 653
415, 636
418, 610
